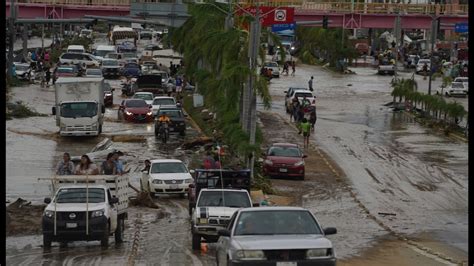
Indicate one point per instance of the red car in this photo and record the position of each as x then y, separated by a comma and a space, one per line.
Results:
135, 110
284, 159
67, 71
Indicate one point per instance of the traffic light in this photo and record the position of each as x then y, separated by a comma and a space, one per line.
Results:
325, 22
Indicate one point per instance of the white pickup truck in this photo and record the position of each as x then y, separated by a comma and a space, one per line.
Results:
213, 210
86, 208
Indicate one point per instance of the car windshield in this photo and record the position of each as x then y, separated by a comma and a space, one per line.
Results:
457, 85
284, 152
94, 72
65, 70
171, 113
272, 64
224, 198
277, 222
79, 109
75, 51
462, 79
164, 101
136, 103
132, 65
129, 55
22, 67
302, 94
163, 168
143, 96
112, 55
110, 63
101, 53
80, 195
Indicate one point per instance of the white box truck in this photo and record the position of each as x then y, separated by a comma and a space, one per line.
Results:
85, 208
79, 108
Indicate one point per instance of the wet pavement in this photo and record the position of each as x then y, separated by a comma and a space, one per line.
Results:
391, 163
394, 164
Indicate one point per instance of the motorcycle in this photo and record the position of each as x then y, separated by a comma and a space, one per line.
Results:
163, 132
128, 89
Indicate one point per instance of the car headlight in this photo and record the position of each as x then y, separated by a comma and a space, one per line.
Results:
157, 181
188, 181
97, 213
250, 255
49, 214
318, 252
149, 113
300, 163
128, 113
203, 220
108, 94
269, 162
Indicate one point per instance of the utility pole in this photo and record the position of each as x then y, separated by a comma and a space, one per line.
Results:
398, 37
12, 32
434, 30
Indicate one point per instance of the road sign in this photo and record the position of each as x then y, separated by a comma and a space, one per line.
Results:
461, 27
271, 15
282, 27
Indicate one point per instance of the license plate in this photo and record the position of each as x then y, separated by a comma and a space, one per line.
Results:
287, 263
71, 225
173, 186
283, 170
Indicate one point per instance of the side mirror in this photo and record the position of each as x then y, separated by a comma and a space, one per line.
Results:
53, 110
47, 200
255, 204
114, 200
330, 231
223, 232
305, 156
103, 109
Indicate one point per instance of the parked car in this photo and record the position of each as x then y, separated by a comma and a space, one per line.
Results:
178, 120
152, 47
126, 46
67, 71
166, 176
284, 159
455, 89
274, 235
147, 96
386, 68
108, 95
464, 81
165, 101
131, 69
300, 94
274, 67
421, 63
22, 71
135, 110
81, 58
410, 61
362, 48
212, 212
146, 34
290, 91
94, 73
110, 68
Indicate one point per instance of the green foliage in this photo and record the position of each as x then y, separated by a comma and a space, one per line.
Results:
20, 110
324, 44
216, 60
432, 105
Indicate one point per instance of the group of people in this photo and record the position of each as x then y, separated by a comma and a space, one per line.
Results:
112, 166
286, 68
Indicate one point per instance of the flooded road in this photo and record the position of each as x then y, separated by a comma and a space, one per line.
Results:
395, 165
384, 162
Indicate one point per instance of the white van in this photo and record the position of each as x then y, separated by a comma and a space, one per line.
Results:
76, 49
103, 50
81, 58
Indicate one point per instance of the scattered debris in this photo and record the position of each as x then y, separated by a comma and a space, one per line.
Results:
387, 213
143, 199
22, 218
200, 141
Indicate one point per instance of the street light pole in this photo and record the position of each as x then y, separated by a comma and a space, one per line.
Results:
433, 38
12, 32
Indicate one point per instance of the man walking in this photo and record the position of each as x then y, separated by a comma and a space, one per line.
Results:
310, 83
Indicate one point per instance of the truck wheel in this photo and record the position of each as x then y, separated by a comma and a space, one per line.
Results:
196, 242
104, 242
119, 231
46, 241
100, 129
